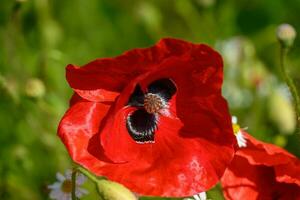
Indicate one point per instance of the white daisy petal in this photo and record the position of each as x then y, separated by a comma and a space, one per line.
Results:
56, 194
60, 177
68, 174
53, 194
242, 142
68, 196
80, 192
234, 119
80, 179
196, 197
64, 196
55, 185
202, 195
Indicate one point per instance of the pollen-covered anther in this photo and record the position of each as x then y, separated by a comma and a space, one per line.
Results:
153, 103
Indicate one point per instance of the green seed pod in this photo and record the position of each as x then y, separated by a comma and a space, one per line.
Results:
114, 191
286, 35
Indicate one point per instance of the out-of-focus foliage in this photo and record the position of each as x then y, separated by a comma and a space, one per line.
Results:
38, 38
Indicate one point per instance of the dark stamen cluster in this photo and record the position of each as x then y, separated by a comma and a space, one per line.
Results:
142, 123
153, 103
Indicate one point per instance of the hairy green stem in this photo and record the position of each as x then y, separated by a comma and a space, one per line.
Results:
289, 81
88, 174
74, 184
91, 176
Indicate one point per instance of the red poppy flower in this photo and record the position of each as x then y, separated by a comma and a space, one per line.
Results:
152, 119
262, 171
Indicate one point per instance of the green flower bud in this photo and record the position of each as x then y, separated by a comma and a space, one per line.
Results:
150, 16
280, 140
35, 88
114, 191
286, 35
281, 112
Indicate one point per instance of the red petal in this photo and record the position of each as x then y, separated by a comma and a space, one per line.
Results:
171, 167
245, 181
174, 167
192, 147
78, 126
207, 119
193, 164
262, 171
113, 74
74, 99
261, 153
200, 106
98, 95
288, 173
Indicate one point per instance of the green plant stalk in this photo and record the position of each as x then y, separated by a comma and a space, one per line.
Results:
92, 177
289, 81
88, 174
74, 184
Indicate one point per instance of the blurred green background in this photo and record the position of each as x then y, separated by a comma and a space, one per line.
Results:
38, 38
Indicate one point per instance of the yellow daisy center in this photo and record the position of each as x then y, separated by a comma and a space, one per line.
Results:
236, 128
66, 186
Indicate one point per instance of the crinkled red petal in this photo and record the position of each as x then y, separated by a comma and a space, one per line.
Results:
98, 95
256, 152
199, 104
288, 173
192, 147
78, 126
174, 167
243, 180
113, 74
262, 171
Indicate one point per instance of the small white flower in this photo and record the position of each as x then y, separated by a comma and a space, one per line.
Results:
242, 142
62, 188
200, 196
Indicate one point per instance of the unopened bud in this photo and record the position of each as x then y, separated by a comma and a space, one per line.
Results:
280, 140
286, 35
278, 103
35, 88
114, 191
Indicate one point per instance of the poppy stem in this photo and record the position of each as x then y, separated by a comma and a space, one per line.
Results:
74, 184
91, 176
289, 81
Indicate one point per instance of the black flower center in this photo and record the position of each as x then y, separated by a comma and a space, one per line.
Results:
142, 123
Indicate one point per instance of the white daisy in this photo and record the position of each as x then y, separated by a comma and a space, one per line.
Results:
62, 189
242, 142
200, 196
